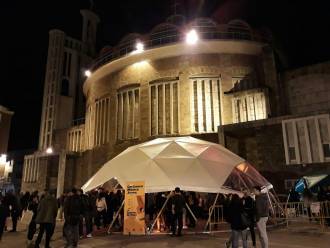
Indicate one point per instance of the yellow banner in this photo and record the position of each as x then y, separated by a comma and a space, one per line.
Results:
134, 223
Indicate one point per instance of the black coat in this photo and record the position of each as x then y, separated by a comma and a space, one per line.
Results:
234, 215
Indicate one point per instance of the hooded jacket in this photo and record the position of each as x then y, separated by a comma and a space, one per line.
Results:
47, 210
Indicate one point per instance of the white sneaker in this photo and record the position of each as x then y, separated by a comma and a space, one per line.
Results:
89, 235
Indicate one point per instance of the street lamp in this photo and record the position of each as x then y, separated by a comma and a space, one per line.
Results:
192, 37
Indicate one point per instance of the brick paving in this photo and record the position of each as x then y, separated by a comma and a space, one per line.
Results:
279, 238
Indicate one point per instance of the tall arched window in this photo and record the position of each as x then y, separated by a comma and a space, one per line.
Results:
128, 113
206, 104
164, 107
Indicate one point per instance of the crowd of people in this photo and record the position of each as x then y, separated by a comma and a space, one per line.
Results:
81, 212
78, 210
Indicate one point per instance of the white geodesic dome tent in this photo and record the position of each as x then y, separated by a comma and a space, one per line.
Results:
185, 162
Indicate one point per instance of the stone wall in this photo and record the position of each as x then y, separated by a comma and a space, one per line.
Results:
263, 147
308, 89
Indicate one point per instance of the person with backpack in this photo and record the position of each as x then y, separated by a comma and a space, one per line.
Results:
72, 213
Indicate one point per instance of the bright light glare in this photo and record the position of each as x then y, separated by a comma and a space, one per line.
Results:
88, 73
139, 47
192, 37
49, 150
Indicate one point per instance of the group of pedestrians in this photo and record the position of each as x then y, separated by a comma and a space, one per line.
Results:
244, 214
82, 211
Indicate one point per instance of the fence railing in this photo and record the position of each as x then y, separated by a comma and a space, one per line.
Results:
284, 212
128, 47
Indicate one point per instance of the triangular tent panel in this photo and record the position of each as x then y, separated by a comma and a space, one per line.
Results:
191, 164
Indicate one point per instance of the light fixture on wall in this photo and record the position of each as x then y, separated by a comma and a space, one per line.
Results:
49, 150
88, 73
139, 47
192, 37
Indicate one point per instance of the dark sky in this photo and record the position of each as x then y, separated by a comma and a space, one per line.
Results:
300, 29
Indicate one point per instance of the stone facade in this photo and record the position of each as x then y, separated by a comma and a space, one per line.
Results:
175, 89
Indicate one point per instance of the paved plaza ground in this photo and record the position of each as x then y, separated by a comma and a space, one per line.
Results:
279, 238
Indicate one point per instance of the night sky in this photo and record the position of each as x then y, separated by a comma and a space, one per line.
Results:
300, 30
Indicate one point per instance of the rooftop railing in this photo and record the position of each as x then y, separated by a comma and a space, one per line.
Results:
124, 49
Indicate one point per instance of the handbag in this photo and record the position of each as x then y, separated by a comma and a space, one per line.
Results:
26, 217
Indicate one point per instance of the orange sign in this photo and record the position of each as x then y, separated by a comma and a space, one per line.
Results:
134, 223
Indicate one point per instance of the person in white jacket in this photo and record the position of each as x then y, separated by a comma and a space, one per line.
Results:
101, 211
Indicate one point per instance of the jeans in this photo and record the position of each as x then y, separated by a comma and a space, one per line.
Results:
261, 226
49, 228
71, 235
88, 224
253, 235
177, 217
235, 238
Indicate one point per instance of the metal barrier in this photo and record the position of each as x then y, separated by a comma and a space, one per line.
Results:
284, 212
317, 212
217, 216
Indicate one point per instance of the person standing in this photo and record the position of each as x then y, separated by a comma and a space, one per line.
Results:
4, 212
238, 227
14, 207
32, 206
73, 211
262, 211
101, 210
178, 203
250, 209
46, 217
87, 214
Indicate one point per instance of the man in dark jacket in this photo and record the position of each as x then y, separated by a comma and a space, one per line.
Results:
238, 226
178, 203
87, 214
14, 205
250, 209
46, 217
33, 206
4, 212
262, 211
72, 213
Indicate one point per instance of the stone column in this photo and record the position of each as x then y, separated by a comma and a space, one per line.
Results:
61, 173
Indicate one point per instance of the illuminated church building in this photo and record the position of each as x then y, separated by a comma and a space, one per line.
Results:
217, 82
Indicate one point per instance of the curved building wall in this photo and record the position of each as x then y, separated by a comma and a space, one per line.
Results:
180, 95
166, 88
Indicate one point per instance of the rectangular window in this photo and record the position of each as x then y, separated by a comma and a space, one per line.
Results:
69, 64
203, 106
64, 63
128, 102
160, 109
206, 107
153, 109
195, 107
292, 154
326, 150
164, 108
